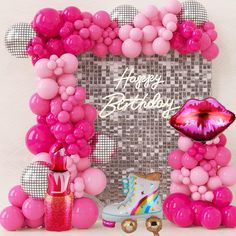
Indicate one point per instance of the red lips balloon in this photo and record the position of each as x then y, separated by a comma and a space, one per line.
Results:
202, 120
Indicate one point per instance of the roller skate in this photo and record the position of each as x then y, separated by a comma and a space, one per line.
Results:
142, 202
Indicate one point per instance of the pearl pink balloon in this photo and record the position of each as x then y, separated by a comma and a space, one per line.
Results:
197, 208
34, 224
95, 32
136, 34
140, 21
42, 70
147, 49
39, 139
39, 106
199, 176
229, 216
124, 32
70, 63
179, 188
214, 182
211, 53
67, 80
77, 114
175, 159
83, 164
115, 47
90, 112
85, 213
151, 12
209, 196
184, 143
175, 174
100, 50
161, 46
131, 49
102, 19
174, 202
43, 157
211, 218
17, 196
184, 217
11, 218
33, 209
211, 151
47, 22
227, 175
223, 156
149, 33
169, 18
95, 181
173, 6
188, 161
222, 197
47, 88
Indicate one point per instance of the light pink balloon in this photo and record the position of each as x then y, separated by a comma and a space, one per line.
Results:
124, 32
136, 34
179, 188
184, 143
173, 6
161, 46
42, 69
131, 49
227, 175
149, 33
175, 176
199, 176
67, 80
95, 181
151, 12
70, 63
140, 21
83, 164
147, 49
47, 89
214, 182
43, 157
169, 18
223, 156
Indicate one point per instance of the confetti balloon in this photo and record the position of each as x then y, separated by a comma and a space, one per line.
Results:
199, 119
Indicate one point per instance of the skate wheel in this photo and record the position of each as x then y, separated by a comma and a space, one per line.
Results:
154, 225
129, 226
109, 224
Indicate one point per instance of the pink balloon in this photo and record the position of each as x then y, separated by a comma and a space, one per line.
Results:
131, 49
140, 21
34, 224
179, 188
83, 164
80, 94
39, 139
184, 217
175, 159
169, 18
115, 47
175, 176
124, 32
151, 12
199, 176
136, 34
211, 218
39, 106
149, 33
147, 49
90, 112
11, 218
184, 143
95, 181
67, 80
43, 157
42, 70
102, 19
211, 151
100, 50
17, 196
188, 161
223, 156
85, 213
227, 175
197, 208
161, 46
223, 140
70, 63
95, 32
33, 209
229, 216
77, 114
47, 88
173, 6
205, 42
211, 53
71, 14
222, 197
214, 182
173, 203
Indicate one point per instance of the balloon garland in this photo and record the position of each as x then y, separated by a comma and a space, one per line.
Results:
202, 173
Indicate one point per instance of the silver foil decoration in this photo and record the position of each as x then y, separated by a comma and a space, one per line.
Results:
193, 10
124, 14
34, 180
17, 39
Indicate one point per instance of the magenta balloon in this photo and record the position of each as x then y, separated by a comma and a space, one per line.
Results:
202, 120
85, 213
74, 44
39, 139
211, 218
47, 22
184, 217
229, 216
198, 207
222, 197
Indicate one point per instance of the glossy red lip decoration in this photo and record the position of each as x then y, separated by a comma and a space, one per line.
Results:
202, 120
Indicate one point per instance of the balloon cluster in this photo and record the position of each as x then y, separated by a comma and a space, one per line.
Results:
151, 32
63, 116
83, 176
188, 38
73, 31
27, 212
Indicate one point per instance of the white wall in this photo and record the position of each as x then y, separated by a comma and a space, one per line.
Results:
17, 80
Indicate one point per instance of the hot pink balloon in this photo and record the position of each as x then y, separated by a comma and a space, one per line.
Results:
211, 53
197, 208
184, 217
90, 112
34, 224
188, 161
229, 216
211, 218
102, 19
33, 209
223, 156
222, 197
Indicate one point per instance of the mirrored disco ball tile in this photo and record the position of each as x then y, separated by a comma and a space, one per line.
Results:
124, 14
17, 38
142, 139
193, 10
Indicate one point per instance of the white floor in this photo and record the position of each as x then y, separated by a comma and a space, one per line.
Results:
98, 230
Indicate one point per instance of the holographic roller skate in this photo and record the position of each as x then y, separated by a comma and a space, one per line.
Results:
142, 202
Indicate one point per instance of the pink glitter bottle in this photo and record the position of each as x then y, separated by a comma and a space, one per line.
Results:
59, 200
